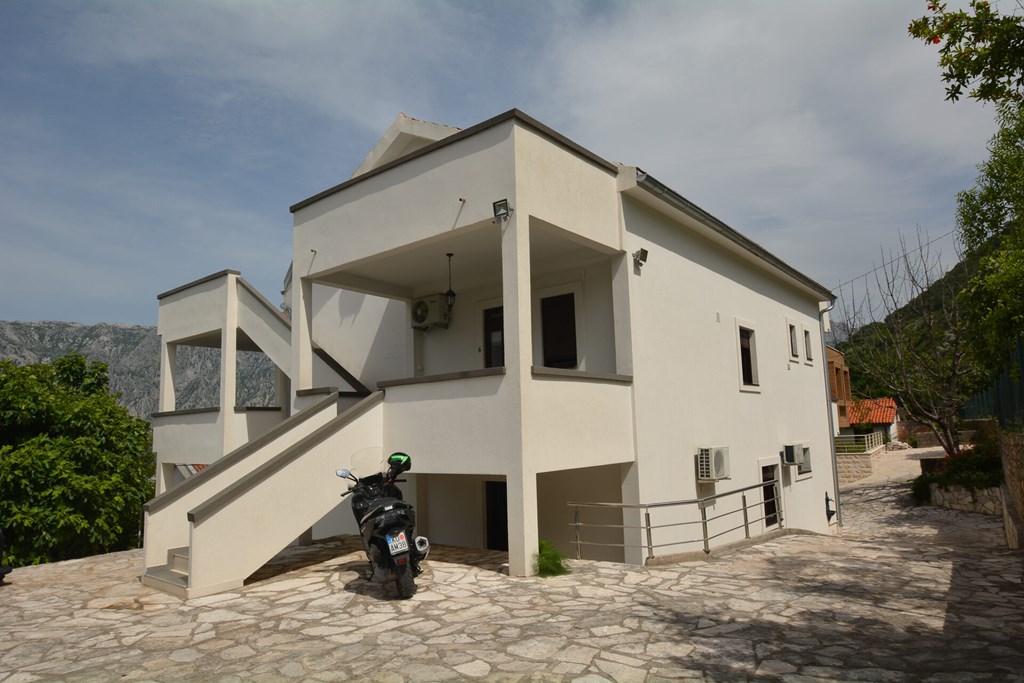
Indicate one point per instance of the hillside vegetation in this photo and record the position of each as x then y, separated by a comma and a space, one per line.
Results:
132, 353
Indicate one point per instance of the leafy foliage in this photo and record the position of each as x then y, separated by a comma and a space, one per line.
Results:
990, 217
549, 561
75, 468
981, 50
979, 467
912, 342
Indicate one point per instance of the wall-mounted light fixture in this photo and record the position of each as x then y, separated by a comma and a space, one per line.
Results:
449, 296
502, 211
639, 257
829, 512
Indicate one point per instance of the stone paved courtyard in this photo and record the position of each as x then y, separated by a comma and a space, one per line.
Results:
904, 594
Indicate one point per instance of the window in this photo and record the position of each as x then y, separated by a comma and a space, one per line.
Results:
804, 466
794, 349
558, 331
808, 355
494, 339
769, 478
748, 357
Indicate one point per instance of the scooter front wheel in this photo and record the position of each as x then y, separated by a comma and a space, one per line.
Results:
404, 582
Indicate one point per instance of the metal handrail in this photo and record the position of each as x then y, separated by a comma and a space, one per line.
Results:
859, 443
702, 504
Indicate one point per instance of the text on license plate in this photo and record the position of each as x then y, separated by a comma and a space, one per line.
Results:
397, 543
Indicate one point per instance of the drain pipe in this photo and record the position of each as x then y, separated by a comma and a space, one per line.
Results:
831, 425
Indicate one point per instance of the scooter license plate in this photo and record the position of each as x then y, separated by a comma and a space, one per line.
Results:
398, 543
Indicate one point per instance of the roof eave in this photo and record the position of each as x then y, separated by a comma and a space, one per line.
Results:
682, 204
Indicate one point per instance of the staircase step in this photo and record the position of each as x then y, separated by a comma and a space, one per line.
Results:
177, 560
164, 579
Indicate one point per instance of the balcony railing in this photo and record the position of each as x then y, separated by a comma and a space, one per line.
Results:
859, 443
769, 510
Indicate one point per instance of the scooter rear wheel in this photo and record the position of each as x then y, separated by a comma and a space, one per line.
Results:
404, 582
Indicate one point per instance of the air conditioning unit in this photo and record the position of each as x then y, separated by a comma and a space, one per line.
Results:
712, 463
795, 454
430, 311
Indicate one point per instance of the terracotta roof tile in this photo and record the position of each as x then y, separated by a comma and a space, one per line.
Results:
873, 411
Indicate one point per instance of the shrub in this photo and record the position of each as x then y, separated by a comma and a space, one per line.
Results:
912, 440
549, 561
979, 467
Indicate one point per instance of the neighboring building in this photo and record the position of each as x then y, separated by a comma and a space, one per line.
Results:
839, 386
607, 337
875, 415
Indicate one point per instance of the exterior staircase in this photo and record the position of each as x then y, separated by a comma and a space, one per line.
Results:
209, 533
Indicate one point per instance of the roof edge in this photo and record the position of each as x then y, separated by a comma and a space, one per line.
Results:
681, 203
510, 115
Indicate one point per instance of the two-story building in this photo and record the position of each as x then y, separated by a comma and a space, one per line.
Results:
536, 326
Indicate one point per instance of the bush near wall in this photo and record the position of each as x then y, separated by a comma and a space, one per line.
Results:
978, 467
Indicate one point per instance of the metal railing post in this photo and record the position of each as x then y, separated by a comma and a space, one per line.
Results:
579, 551
650, 540
778, 503
704, 527
746, 521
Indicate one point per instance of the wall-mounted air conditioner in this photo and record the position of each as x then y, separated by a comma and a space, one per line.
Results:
795, 454
430, 311
712, 463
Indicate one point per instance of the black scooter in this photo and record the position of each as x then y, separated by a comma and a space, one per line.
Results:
388, 526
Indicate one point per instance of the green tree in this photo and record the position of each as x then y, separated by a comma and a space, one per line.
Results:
911, 340
990, 218
981, 50
984, 51
75, 467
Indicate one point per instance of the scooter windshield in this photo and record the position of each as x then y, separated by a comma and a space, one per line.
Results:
367, 462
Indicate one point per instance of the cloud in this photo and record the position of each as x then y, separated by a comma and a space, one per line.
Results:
817, 128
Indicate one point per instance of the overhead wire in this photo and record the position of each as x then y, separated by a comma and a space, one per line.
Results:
894, 260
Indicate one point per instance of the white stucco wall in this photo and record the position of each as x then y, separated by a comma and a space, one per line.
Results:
407, 203
369, 335
686, 306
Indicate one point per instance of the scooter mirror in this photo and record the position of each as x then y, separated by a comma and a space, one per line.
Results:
344, 474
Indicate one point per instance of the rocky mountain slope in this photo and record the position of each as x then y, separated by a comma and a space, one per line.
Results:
132, 353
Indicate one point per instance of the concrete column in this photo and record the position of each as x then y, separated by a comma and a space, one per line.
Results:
622, 270
632, 518
302, 337
283, 386
168, 376
521, 475
523, 538
229, 365
516, 294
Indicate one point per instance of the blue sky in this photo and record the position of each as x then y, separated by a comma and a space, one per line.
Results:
146, 144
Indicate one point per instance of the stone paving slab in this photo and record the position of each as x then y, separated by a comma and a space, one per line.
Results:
903, 594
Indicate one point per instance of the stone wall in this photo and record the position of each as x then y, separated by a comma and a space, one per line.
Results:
985, 501
1011, 447
853, 466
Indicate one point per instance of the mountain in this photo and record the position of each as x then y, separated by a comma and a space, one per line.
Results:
132, 353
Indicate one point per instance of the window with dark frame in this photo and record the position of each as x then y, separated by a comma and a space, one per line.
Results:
748, 357
494, 337
807, 346
794, 349
558, 331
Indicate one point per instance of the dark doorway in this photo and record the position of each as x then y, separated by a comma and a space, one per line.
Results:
558, 330
771, 508
496, 504
494, 337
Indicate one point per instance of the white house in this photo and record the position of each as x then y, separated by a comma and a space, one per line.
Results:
610, 342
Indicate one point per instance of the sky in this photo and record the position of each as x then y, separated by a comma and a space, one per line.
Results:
145, 144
